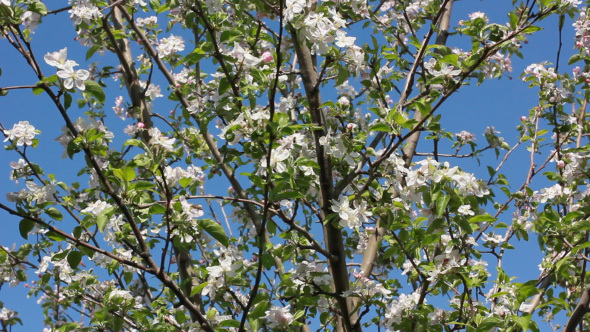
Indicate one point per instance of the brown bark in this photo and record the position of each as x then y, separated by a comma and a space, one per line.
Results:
582, 309
371, 251
332, 234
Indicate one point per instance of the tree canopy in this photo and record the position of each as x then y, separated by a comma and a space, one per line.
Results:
283, 165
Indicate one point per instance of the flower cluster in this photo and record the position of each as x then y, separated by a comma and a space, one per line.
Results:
351, 217
279, 317
171, 45
22, 133
66, 69
84, 11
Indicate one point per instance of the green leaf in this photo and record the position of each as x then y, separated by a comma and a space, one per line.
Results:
54, 213
488, 324
185, 182
215, 230
125, 173
285, 194
25, 226
531, 29
482, 218
441, 204
231, 35
522, 321
103, 217
451, 59
55, 236
92, 50
575, 58
380, 127
38, 7
136, 142
254, 324
230, 323
513, 19
259, 310
38, 90
67, 100
180, 316
95, 90
527, 291
197, 289
74, 258
343, 75
155, 4
157, 209
195, 56
143, 185
223, 85
117, 322
77, 232
298, 315
128, 276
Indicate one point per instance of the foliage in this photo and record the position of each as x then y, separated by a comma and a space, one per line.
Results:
311, 112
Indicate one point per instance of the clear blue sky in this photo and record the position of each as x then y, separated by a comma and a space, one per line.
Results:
497, 103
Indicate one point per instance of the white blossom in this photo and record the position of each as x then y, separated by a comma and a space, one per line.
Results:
57, 59
30, 19
158, 139
72, 76
96, 207
279, 317
293, 7
465, 210
84, 11
349, 217
22, 133
171, 45
152, 91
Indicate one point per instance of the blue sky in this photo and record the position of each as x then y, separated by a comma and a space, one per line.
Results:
498, 103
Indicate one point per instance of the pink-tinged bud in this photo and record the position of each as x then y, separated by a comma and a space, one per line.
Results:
351, 126
560, 164
577, 70
171, 112
178, 85
587, 80
267, 57
140, 125
523, 118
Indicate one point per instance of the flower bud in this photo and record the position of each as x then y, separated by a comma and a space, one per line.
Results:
266, 57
